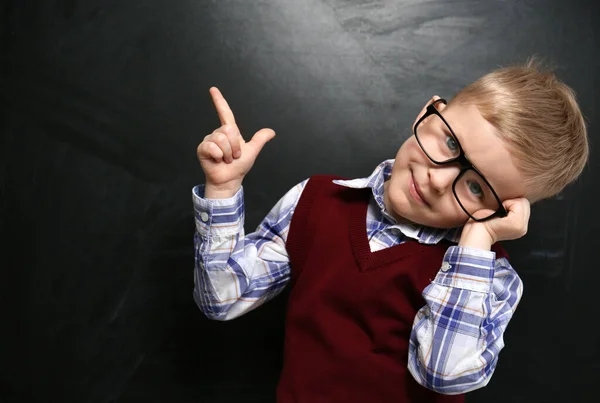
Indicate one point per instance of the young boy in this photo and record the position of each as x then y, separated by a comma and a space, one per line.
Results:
400, 291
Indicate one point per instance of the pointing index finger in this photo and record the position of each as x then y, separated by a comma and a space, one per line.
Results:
223, 109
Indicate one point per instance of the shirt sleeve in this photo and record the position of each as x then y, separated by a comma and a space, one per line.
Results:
233, 272
458, 334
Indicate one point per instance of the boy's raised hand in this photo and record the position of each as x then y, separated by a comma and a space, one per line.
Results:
224, 156
514, 225
484, 234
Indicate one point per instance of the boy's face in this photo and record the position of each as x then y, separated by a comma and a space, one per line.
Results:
420, 191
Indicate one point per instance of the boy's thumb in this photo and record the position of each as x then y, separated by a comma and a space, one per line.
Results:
261, 137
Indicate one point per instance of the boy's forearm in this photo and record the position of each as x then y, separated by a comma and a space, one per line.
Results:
225, 284
458, 334
215, 294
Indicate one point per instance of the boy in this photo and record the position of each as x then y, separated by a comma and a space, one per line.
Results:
400, 291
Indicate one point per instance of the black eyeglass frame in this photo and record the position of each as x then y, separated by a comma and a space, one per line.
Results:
461, 159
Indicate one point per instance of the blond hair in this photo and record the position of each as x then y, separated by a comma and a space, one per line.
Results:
539, 118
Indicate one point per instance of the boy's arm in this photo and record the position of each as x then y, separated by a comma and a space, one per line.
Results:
457, 336
235, 273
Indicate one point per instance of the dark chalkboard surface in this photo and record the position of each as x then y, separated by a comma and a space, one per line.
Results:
103, 105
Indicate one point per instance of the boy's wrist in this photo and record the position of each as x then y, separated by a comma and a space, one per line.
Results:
475, 235
220, 192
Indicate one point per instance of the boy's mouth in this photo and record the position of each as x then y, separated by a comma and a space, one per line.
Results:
415, 192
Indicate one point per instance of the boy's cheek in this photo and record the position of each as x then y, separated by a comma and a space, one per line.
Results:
412, 146
451, 215
394, 198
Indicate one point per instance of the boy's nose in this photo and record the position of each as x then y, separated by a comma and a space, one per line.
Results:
442, 177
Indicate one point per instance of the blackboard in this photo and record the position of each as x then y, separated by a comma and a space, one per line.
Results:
103, 105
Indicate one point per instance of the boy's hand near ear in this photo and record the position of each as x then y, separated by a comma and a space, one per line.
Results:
224, 156
483, 235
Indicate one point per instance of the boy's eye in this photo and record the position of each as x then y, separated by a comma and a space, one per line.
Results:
475, 189
452, 144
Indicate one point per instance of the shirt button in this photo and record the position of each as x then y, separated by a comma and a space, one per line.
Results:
204, 216
446, 266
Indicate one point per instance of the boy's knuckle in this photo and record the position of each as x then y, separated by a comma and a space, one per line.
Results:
228, 130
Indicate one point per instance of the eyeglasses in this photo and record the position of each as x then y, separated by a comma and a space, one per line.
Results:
471, 190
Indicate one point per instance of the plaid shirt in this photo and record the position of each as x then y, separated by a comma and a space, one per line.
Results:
456, 336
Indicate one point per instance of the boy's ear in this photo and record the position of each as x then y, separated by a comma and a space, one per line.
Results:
440, 106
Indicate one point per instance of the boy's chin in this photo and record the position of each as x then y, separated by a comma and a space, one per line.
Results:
411, 219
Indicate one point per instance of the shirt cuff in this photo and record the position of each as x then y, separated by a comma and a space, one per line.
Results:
467, 268
218, 217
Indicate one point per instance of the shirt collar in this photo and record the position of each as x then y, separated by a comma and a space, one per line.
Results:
375, 181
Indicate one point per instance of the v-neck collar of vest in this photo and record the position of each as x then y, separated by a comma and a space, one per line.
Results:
366, 259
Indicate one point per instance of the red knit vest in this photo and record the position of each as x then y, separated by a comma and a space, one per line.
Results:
350, 311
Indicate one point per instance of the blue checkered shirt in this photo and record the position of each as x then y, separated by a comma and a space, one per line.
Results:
456, 336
